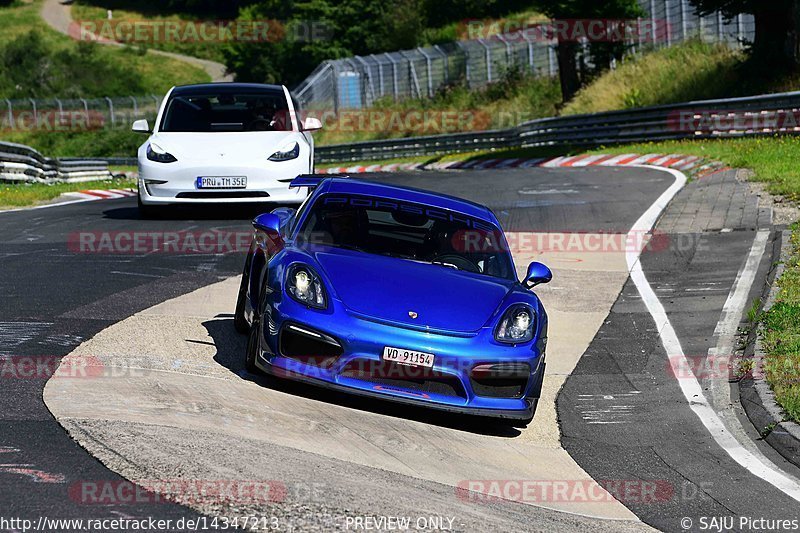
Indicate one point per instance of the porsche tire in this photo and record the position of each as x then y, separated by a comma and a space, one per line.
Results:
252, 350
239, 321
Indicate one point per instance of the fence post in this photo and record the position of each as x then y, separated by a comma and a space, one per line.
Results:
60, 107
669, 23
683, 19
35, 113
10, 114
468, 69
368, 77
380, 75
430, 70
719, 26
551, 60
740, 28
111, 111
394, 75
653, 30
446, 63
135, 107
488, 60
531, 63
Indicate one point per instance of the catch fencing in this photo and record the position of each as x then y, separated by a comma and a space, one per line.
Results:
360, 81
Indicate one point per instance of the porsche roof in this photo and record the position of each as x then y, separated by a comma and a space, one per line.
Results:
408, 194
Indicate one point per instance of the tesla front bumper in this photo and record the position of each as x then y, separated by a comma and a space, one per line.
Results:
176, 183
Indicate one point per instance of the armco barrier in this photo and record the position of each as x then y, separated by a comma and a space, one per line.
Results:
708, 119
23, 164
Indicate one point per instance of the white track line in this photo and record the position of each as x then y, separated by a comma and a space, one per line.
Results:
690, 387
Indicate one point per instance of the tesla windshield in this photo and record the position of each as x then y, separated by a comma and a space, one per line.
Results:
223, 111
407, 231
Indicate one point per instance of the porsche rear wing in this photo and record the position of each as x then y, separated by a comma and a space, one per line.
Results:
312, 181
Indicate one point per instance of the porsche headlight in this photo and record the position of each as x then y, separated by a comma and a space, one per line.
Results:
305, 286
158, 154
286, 153
516, 326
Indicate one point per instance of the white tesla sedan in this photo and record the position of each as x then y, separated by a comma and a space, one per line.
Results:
224, 142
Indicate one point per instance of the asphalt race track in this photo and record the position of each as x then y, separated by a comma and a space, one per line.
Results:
179, 405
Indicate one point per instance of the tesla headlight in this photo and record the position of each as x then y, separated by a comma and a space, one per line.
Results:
158, 154
516, 326
305, 286
286, 153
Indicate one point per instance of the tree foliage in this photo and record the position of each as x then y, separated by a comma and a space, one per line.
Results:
349, 27
777, 28
576, 69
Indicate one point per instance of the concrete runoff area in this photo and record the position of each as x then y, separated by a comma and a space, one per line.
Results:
179, 365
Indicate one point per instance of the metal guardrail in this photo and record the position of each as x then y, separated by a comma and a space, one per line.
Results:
749, 116
739, 117
23, 164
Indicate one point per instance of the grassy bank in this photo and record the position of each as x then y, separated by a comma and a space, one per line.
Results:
22, 195
38, 62
95, 12
781, 335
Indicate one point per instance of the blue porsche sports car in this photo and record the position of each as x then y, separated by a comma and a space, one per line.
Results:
394, 293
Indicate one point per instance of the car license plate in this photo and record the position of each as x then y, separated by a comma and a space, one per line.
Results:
408, 357
221, 182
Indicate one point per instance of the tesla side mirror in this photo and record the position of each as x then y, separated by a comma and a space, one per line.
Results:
285, 214
537, 274
312, 124
141, 126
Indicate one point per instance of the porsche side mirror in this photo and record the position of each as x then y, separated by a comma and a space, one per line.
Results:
268, 223
141, 126
285, 214
312, 124
537, 275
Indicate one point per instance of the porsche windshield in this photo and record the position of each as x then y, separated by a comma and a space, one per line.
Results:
226, 111
407, 231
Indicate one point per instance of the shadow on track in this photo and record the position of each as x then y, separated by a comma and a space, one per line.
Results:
230, 354
202, 212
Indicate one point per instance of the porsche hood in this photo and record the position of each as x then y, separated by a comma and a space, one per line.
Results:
411, 293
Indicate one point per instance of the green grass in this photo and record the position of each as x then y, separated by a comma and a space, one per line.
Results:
781, 336
117, 142
691, 71
773, 159
38, 62
22, 195
96, 11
